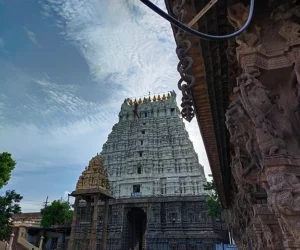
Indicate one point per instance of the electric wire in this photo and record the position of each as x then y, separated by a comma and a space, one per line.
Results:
201, 35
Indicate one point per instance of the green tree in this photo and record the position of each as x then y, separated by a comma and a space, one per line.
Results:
7, 164
10, 201
213, 201
58, 213
214, 204
9, 205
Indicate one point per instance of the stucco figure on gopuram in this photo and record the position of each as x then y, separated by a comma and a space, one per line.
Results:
263, 120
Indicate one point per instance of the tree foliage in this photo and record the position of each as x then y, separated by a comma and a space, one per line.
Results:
9, 205
10, 201
213, 201
58, 213
7, 164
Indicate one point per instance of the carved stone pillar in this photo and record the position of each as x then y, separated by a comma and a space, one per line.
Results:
87, 224
93, 237
11, 240
267, 228
71, 245
289, 242
260, 242
263, 120
104, 229
283, 187
41, 242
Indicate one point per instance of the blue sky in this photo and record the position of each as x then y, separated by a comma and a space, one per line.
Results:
66, 66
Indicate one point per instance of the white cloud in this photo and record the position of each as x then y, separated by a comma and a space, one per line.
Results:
134, 49
29, 206
127, 47
31, 35
129, 50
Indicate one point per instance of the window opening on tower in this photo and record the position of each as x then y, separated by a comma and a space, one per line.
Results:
136, 188
147, 114
172, 111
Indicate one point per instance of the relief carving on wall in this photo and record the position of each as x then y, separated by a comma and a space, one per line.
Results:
258, 128
240, 217
284, 199
274, 36
263, 119
259, 125
264, 113
296, 85
237, 16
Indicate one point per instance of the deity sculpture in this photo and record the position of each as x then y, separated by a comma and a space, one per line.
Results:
237, 16
256, 100
284, 199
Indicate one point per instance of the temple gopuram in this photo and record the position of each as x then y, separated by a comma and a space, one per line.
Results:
154, 176
244, 92
156, 180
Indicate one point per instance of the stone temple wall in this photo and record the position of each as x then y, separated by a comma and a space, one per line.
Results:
172, 223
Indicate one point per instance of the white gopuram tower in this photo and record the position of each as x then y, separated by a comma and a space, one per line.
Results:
149, 153
156, 179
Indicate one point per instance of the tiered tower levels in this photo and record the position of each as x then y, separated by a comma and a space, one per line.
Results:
149, 153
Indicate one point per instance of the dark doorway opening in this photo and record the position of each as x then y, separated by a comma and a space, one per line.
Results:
137, 225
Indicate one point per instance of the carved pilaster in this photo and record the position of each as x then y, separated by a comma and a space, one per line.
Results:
93, 237
87, 224
263, 121
104, 229
283, 189
267, 228
71, 244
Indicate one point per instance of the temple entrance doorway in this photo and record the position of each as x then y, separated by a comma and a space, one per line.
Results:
137, 226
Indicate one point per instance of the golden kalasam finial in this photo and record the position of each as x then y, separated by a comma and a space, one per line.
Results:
154, 98
145, 100
140, 100
158, 98
149, 99
135, 101
168, 96
164, 97
130, 102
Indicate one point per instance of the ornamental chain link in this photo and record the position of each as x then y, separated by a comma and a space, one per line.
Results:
187, 81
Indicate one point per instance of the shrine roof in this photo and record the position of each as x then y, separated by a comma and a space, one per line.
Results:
93, 180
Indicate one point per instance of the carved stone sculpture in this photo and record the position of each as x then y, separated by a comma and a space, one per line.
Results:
263, 121
237, 16
258, 103
247, 154
286, 11
284, 199
296, 84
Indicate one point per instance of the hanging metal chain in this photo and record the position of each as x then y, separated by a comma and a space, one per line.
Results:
187, 81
